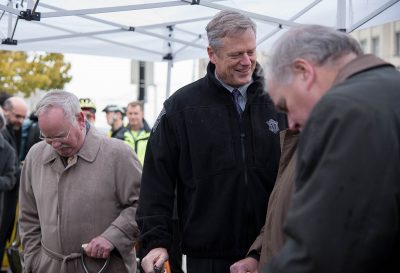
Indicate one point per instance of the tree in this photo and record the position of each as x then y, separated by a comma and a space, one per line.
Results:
26, 73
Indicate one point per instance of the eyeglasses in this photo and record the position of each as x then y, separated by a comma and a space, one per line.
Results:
55, 139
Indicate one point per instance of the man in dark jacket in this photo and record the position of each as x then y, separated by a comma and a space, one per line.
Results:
217, 141
7, 159
7, 175
115, 118
7, 166
15, 110
345, 210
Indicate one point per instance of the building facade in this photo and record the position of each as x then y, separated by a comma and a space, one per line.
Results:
383, 41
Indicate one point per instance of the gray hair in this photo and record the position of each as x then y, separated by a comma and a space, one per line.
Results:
3, 120
60, 99
319, 44
226, 24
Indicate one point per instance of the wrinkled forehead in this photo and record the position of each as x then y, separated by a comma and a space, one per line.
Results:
52, 117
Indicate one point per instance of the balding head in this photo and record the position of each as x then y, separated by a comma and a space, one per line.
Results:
15, 110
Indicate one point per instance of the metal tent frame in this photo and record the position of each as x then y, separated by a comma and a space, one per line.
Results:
52, 25
166, 30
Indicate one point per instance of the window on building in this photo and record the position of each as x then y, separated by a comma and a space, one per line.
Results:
363, 44
375, 46
397, 45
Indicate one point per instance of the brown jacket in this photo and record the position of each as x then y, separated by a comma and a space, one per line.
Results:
272, 238
62, 208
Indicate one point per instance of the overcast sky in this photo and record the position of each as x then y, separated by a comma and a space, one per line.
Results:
108, 81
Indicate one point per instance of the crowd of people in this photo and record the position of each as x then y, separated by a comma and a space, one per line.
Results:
288, 166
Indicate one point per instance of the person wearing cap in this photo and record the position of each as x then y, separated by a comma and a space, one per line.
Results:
89, 109
115, 116
137, 135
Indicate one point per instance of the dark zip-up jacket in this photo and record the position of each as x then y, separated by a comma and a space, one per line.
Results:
224, 167
119, 133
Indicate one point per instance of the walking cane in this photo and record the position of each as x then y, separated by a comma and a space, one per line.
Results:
84, 264
167, 268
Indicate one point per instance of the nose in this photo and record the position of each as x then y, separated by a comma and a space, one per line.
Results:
246, 59
55, 144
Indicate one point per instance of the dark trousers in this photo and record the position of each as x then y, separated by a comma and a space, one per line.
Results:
201, 265
175, 253
7, 218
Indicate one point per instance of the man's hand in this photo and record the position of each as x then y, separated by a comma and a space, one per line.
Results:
248, 264
155, 259
98, 247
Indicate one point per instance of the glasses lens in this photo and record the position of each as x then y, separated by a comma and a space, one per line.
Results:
54, 139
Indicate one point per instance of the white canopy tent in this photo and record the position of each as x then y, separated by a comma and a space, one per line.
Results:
152, 30
166, 30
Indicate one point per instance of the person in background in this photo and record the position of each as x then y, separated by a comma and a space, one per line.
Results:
136, 135
15, 111
7, 165
345, 209
89, 109
3, 97
78, 196
7, 169
30, 134
115, 118
216, 142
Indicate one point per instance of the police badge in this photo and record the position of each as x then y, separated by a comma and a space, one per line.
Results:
273, 126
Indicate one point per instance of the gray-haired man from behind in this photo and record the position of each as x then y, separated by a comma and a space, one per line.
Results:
79, 189
345, 211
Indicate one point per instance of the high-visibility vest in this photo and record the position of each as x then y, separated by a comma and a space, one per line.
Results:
138, 141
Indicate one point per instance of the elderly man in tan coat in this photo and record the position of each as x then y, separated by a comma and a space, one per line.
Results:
78, 195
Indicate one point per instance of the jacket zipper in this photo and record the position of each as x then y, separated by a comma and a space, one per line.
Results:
243, 148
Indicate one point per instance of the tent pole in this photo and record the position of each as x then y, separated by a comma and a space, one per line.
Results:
373, 14
169, 74
341, 15
10, 25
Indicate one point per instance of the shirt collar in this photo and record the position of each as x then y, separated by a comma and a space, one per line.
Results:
242, 89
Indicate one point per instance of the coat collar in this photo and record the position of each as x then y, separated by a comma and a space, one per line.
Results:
359, 64
88, 151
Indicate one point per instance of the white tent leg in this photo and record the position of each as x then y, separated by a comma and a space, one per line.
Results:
10, 25
169, 74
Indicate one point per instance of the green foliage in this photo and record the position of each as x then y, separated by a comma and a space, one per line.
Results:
27, 73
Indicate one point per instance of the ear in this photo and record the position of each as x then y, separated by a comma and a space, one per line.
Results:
305, 71
80, 117
211, 54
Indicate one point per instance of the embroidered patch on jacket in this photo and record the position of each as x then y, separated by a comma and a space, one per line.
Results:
162, 113
273, 126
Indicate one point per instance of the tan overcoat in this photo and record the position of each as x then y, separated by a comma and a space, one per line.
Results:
62, 208
271, 238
